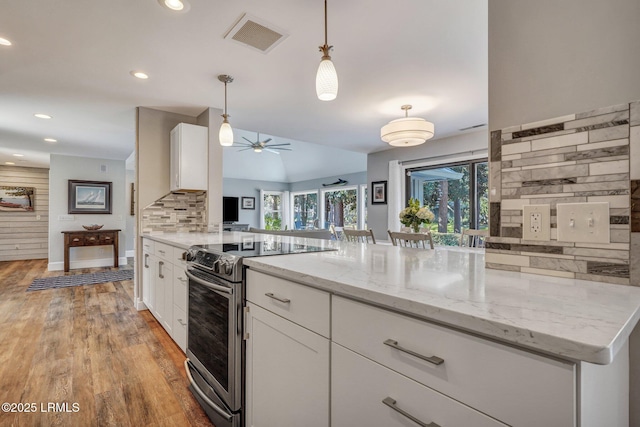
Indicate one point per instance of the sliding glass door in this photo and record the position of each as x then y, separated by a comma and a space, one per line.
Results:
457, 194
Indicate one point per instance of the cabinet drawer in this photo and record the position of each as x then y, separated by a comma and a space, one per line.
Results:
180, 283
359, 387
512, 385
92, 239
163, 251
76, 239
179, 328
301, 304
179, 259
107, 238
147, 245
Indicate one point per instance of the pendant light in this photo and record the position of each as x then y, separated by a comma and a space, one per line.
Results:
326, 77
407, 131
226, 133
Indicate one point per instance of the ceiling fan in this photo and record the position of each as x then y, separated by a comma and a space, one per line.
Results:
258, 146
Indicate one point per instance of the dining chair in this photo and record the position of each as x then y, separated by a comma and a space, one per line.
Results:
473, 238
359, 236
411, 240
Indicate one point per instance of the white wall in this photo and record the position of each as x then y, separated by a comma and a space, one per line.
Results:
443, 150
61, 170
550, 58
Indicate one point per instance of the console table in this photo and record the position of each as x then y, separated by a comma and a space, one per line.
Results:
78, 238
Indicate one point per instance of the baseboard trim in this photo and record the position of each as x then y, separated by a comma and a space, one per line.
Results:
140, 305
86, 263
130, 254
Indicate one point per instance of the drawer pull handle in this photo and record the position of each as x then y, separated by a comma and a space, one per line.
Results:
284, 300
76, 240
160, 275
146, 260
161, 251
92, 238
431, 359
182, 323
391, 403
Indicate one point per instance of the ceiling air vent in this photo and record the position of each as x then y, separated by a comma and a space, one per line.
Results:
473, 127
256, 33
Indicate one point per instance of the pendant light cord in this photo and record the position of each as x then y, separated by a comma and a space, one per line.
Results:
325, 23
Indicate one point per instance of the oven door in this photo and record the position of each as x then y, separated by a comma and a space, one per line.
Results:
214, 340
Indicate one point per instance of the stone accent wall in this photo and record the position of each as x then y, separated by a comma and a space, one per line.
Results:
176, 212
577, 158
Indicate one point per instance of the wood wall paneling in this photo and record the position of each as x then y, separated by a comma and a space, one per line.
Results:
22, 235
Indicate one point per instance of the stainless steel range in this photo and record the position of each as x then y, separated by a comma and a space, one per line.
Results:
215, 349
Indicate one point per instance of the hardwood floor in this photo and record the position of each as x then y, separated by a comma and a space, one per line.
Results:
87, 349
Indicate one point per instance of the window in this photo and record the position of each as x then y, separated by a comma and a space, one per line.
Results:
457, 194
363, 207
272, 210
340, 207
305, 210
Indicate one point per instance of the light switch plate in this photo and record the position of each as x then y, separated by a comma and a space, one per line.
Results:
583, 222
536, 222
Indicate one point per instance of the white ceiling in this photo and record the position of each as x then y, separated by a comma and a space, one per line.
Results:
71, 59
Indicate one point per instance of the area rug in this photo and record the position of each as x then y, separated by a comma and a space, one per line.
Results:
80, 279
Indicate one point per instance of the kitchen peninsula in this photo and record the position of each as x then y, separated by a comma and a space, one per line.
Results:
460, 343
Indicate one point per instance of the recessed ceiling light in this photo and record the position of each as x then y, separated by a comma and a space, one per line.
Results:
42, 116
19, 155
9, 163
139, 74
5, 42
175, 5
51, 140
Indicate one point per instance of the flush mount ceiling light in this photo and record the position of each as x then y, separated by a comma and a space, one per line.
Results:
175, 5
326, 77
42, 116
4, 42
9, 163
18, 155
50, 140
407, 131
226, 133
139, 75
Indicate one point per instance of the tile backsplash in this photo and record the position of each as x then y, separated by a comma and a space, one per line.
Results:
176, 212
584, 157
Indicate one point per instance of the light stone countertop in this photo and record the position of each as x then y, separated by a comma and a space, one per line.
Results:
572, 319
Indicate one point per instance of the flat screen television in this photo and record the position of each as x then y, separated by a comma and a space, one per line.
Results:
230, 207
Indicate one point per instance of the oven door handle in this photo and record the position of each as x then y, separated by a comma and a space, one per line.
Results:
204, 397
209, 285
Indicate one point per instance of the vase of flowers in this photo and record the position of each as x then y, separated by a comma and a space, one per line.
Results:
414, 216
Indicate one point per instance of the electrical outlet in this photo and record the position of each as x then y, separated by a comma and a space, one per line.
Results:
37, 217
536, 222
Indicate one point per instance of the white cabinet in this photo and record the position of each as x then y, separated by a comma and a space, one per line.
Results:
148, 273
189, 159
365, 393
165, 288
287, 365
477, 372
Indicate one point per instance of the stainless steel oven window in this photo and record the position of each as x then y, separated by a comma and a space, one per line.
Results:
213, 339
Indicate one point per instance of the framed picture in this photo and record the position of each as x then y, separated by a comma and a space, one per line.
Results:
248, 244
379, 193
248, 203
89, 197
16, 199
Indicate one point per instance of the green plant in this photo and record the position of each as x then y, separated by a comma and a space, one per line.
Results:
414, 216
272, 223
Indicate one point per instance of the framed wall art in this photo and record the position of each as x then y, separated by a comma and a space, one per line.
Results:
16, 199
89, 197
379, 193
248, 203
